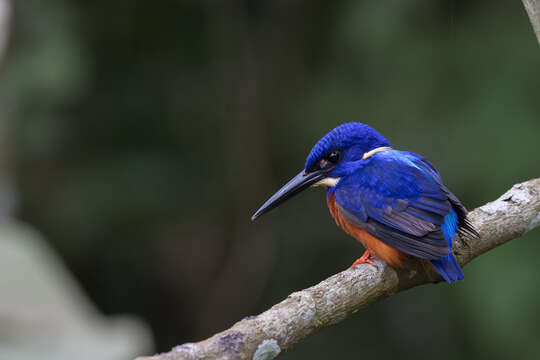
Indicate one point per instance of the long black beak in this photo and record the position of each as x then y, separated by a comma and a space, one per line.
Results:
296, 185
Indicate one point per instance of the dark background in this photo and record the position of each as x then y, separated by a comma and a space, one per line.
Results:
142, 135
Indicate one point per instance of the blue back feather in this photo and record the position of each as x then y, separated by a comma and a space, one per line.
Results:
450, 227
447, 266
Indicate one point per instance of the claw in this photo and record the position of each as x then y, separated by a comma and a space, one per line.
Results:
364, 259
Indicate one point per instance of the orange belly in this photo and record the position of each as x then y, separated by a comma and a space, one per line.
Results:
376, 247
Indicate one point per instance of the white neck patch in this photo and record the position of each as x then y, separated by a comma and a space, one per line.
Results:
329, 182
374, 151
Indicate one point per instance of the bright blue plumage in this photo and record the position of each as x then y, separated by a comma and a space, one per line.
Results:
396, 196
447, 266
450, 227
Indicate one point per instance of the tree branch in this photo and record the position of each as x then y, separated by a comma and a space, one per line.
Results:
334, 299
533, 10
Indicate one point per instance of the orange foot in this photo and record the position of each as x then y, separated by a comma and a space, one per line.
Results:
364, 259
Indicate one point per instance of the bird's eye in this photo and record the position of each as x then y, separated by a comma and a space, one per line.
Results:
329, 160
334, 157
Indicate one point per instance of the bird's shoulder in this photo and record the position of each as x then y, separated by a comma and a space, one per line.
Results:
399, 162
395, 173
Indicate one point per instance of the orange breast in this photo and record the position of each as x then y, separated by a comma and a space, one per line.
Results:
376, 247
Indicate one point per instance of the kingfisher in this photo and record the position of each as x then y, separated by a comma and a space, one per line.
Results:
394, 202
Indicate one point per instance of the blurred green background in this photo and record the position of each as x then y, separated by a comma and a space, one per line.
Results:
141, 135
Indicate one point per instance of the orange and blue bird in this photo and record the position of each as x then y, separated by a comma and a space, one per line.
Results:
394, 202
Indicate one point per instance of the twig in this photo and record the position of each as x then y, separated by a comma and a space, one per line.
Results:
533, 10
334, 299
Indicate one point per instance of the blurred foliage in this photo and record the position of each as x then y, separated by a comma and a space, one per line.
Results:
142, 134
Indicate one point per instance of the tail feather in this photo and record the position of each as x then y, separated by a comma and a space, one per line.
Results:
449, 268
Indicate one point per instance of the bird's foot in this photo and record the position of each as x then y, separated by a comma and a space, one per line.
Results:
364, 259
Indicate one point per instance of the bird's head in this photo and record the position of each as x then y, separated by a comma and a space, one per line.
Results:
334, 156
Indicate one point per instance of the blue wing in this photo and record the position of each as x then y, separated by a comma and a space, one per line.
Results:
399, 198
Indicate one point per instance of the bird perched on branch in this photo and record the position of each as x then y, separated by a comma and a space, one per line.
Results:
392, 201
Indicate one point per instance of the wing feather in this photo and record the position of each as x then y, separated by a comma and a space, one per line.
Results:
399, 198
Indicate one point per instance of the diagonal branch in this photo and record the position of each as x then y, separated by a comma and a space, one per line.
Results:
334, 299
533, 10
